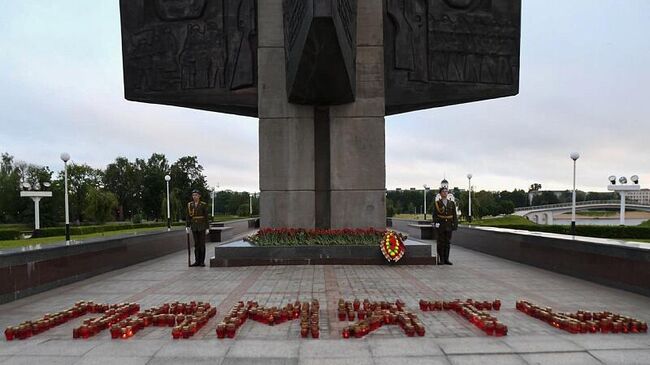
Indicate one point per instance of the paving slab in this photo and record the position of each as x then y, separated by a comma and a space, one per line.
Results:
449, 339
564, 358
626, 357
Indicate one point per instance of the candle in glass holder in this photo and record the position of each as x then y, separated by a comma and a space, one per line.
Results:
361, 314
9, 333
350, 316
221, 330
496, 305
230, 330
500, 329
410, 330
419, 328
345, 333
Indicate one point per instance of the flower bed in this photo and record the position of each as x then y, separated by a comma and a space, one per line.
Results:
267, 237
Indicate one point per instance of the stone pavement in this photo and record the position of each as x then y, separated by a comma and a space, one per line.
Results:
449, 338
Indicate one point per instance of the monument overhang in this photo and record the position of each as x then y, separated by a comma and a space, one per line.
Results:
449, 52
320, 47
202, 54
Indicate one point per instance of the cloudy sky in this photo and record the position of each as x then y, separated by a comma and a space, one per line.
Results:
585, 71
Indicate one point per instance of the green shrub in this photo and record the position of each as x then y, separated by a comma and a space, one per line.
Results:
9, 234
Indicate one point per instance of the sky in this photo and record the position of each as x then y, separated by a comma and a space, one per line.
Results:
585, 71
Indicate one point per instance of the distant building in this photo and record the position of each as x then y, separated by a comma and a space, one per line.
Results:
641, 196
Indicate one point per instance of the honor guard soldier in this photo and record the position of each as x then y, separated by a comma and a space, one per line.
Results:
446, 221
197, 222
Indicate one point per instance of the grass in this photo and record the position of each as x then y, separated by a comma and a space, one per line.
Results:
595, 213
57, 239
411, 216
502, 221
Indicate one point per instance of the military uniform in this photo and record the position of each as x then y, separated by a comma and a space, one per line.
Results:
445, 216
197, 221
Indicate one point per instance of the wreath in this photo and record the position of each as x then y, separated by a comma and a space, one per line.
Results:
392, 246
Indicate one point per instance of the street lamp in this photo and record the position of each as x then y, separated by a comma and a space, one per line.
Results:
622, 189
574, 156
469, 190
169, 217
65, 157
426, 188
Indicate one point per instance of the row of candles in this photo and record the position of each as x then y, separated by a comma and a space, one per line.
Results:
583, 321
474, 311
439, 305
374, 315
49, 320
113, 315
309, 314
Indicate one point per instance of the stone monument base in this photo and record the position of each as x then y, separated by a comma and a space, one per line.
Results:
241, 253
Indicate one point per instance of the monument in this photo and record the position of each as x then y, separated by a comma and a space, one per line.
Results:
320, 75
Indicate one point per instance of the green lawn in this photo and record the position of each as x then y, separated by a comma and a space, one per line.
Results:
502, 221
596, 213
58, 239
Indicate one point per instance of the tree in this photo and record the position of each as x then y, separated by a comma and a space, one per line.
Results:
100, 205
81, 179
10, 201
153, 188
124, 179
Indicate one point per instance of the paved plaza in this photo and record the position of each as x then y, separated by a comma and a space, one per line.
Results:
449, 338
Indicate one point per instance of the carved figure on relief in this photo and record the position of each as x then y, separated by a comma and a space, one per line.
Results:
244, 65
171, 10
152, 56
203, 57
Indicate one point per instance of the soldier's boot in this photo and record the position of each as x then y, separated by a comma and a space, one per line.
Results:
440, 257
447, 262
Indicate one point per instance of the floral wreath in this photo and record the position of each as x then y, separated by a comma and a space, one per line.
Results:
392, 246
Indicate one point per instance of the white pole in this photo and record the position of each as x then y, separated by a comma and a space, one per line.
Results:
168, 210
573, 206
212, 203
37, 213
67, 209
250, 204
470, 200
622, 214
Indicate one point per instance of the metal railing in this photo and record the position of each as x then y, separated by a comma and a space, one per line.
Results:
578, 204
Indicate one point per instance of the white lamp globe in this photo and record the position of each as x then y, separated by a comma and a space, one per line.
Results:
65, 157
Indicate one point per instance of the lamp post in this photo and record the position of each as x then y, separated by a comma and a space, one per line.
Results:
469, 199
622, 189
426, 188
169, 217
574, 156
65, 157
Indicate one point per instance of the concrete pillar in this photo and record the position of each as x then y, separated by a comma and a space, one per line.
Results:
286, 133
357, 132
322, 167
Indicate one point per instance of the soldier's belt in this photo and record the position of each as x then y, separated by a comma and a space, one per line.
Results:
446, 216
198, 217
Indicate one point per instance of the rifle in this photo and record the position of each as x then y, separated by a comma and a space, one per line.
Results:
188, 249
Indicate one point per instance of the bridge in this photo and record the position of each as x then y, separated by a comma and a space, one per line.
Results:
543, 214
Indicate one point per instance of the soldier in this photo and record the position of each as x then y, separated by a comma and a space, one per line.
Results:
446, 221
197, 221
